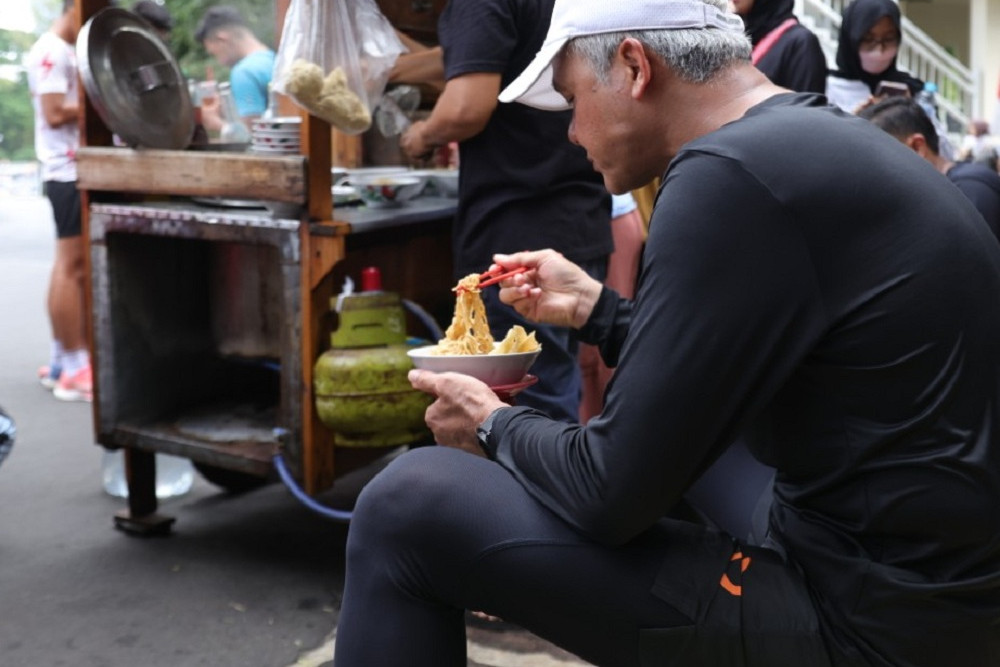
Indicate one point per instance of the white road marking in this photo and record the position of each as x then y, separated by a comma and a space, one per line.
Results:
484, 655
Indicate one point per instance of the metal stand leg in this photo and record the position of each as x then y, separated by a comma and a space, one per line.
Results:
141, 517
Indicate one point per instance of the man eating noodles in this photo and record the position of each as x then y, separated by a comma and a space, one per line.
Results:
810, 285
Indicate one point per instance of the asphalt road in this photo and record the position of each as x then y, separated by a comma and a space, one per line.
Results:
244, 581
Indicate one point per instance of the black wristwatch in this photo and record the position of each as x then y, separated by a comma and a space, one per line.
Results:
483, 433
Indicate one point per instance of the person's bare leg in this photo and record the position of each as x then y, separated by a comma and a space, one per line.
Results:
66, 294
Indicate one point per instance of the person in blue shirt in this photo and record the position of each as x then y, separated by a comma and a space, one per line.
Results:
227, 37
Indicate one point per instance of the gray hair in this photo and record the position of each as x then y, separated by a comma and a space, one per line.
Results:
696, 55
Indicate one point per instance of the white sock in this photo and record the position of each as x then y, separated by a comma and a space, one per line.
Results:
74, 360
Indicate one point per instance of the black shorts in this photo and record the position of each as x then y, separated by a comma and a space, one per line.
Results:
65, 200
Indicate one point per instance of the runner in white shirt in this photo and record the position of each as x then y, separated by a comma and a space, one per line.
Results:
53, 80
52, 70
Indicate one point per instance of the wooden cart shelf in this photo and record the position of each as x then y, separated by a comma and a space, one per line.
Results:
198, 173
161, 267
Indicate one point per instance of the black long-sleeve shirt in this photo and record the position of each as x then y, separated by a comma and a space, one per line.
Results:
810, 282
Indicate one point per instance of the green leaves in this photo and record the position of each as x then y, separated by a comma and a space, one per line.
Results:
187, 13
16, 115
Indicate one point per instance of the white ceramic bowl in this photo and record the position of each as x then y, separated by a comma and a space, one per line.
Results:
446, 182
493, 369
344, 194
282, 124
387, 190
266, 140
443, 181
361, 173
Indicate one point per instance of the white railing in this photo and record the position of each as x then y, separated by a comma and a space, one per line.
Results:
919, 55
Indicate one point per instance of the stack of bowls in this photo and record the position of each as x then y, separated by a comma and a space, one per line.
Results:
276, 136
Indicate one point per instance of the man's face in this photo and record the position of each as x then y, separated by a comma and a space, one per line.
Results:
220, 46
73, 19
600, 119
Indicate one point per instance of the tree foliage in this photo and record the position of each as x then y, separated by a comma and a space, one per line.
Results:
16, 121
16, 114
260, 14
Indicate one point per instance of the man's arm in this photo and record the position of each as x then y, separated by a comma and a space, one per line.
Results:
421, 65
58, 110
703, 353
462, 111
425, 66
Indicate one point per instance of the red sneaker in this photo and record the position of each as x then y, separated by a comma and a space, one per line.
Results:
76, 387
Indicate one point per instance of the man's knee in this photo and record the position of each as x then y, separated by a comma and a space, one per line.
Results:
407, 499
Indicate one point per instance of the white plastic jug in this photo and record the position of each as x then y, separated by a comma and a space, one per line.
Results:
174, 475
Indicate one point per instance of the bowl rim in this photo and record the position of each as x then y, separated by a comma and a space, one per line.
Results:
423, 352
394, 179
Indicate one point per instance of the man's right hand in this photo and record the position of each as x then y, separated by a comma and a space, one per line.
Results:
553, 290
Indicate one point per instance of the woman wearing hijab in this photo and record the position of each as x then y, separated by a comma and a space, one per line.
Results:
787, 52
870, 34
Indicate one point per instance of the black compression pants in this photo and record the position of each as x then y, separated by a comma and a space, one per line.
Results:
440, 531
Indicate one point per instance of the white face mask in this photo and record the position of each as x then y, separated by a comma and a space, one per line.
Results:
877, 61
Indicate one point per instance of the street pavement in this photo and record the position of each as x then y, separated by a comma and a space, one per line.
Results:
251, 580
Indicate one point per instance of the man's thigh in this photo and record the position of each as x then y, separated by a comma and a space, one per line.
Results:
482, 542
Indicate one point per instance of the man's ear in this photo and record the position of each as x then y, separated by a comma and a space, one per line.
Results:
633, 56
917, 142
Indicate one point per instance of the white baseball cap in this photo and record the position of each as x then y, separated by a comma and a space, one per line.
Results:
576, 18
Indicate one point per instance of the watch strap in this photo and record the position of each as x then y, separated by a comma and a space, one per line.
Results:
484, 435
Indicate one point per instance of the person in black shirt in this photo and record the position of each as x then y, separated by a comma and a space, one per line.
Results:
783, 49
906, 121
808, 283
522, 184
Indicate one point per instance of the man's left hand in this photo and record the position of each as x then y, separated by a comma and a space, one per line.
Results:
462, 403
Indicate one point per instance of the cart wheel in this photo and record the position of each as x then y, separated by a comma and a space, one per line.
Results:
232, 481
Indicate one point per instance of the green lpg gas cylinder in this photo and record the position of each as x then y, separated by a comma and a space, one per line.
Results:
362, 393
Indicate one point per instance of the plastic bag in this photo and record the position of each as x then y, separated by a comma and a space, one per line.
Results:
334, 59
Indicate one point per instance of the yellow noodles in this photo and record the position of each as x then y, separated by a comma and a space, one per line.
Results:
517, 340
469, 332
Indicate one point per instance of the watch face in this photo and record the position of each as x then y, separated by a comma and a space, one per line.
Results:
483, 436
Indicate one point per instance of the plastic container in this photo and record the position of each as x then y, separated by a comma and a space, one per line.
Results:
174, 475
927, 99
233, 130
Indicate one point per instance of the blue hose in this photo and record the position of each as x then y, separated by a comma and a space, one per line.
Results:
286, 476
425, 318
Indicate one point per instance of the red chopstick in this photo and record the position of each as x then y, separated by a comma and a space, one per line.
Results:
494, 278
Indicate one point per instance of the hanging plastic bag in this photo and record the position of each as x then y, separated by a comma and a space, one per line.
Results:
334, 59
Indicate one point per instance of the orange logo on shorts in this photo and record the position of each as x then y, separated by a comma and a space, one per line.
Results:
727, 583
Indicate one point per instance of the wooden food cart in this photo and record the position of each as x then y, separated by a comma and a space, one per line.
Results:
206, 322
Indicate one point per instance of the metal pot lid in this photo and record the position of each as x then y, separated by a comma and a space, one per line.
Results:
133, 81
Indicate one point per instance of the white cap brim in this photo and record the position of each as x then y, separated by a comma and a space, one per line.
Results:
577, 18
533, 86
